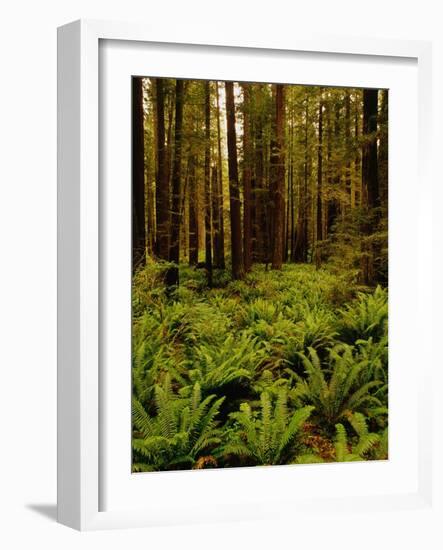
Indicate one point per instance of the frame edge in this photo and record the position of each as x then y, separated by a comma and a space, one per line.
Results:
68, 275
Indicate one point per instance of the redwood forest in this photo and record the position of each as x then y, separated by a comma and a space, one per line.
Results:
259, 274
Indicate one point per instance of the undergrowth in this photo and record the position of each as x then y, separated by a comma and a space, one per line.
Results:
279, 368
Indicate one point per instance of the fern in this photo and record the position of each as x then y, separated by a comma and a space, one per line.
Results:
280, 367
181, 433
365, 318
236, 360
366, 445
270, 437
336, 393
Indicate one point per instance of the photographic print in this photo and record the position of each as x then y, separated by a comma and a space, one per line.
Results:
259, 274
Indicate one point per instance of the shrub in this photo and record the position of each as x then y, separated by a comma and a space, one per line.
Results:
366, 317
338, 391
235, 360
180, 435
269, 437
252, 354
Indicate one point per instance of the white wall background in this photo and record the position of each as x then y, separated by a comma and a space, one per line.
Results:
28, 250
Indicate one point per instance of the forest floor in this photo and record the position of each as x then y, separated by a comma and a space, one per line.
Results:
282, 367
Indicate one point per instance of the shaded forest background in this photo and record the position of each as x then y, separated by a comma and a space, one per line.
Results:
260, 271
260, 173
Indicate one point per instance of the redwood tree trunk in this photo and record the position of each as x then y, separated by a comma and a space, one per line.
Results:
234, 194
334, 202
348, 146
138, 177
301, 239
221, 222
162, 186
279, 186
172, 278
369, 180
193, 213
369, 161
215, 198
319, 214
320, 173
208, 231
259, 191
383, 149
247, 157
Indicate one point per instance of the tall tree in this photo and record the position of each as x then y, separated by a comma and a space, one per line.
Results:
220, 249
174, 242
320, 171
138, 176
334, 191
215, 198
169, 116
247, 198
356, 185
369, 159
234, 192
162, 185
261, 234
301, 240
292, 203
193, 211
369, 179
279, 182
383, 148
208, 228
348, 146
329, 169
319, 206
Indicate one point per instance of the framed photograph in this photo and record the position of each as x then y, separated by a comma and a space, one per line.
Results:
241, 227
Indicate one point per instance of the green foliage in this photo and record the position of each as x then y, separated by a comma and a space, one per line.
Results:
316, 330
235, 360
269, 437
273, 363
338, 390
348, 245
260, 310
180, 433
363, 445
365, 318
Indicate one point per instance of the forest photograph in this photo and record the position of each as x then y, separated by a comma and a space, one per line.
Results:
259, 274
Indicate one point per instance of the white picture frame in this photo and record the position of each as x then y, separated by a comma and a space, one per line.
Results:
81, 414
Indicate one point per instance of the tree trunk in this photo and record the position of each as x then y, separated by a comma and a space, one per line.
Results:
150, 218
172, 278
286, 228
220, 262
138, 176
320, 173
215, 198
208, 230
162, 185
319, 213
259, 189
369, 180
369, 161
168, 147
234, 194
301, 240
356, 194
279, 183
193, 213
348, 146
292, 191
383, 149
247, 157
334, 201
